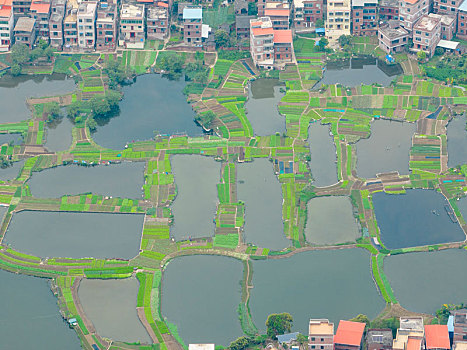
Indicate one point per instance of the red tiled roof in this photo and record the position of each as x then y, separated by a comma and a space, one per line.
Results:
5, 12
262, 31
282, 36
276, 12
146, 1
437, 336
40, 7
412, 1
414, 344
6, 3
349, 333
163, 4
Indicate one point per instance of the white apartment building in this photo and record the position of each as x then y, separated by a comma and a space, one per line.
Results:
338, 19
262, 42
87, 25
132, 31
6, 24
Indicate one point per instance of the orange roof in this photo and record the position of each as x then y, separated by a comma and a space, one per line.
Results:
437, 336
276, 12
412, 1
40, 7
5, 12
349, 333
414, 344
262, 31
163, 4
147, 1
283, 36
6, 3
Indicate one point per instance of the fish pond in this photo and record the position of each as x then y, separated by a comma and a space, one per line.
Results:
462, 205
200, 295
59, 136
332, 284
75, 235
424, 281
457, 141
111, 307
416, 218
323, 155
29, 316
387, 149
260, 189
262, 109
14, 91
331, 221
15, 139
152, 105
118, 180
194, 207
11, 172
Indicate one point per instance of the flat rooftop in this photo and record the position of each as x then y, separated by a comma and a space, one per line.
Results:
380, 336
361, 3
25, 24
427, 23
411, 323
321, 327
192, 13
132, 11
393, 33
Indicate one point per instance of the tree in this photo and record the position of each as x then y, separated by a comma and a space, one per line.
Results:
91, 123
73, 109
172, 66
252, 9
278, 324
240, 343
222, 39
117, 73
392, 323
322, 43
15, 69
362, 319
345, 42
302, 339
319, 23
53, 109
100, 106
206, 119
421, 56
19, 54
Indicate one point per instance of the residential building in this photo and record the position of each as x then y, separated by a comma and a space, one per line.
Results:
70, 25
287, 338
446, 7
379, 339
192, 25
426, 34
349, 335
87, 12
157, 23
338, 19
261, 4
25, 31
279, 13
459, 345
262, 42
242, 26
56, 23
410, 335
307, 12
7, 21
389, 10
410, 12
40, 11
21, 8
364, 17
283, 47
448, 25
460, 325
437, 337
132, 26
106, 27
462, 21
320, 335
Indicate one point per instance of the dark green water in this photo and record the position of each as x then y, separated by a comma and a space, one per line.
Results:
323, 155
200, 294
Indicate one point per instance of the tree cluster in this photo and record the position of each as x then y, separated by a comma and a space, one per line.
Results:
21, 54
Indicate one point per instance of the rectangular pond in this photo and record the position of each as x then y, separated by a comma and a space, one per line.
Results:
457, 141
261, 191
111, 307
387, 149
29, 316
201, 294
123, 180
59, 136
262, 107
417, 218
322, 227
332, 284
423, 282
75, 235
194, 207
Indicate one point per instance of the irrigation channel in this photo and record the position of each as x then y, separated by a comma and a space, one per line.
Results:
118, 180
416, 218
261, 107
14, 91
457, 141
424, 281
29, 316
151, 105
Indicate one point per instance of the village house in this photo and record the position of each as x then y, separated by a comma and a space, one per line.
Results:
338, 19
459, 345
437, 337
56, 23
364, 17
410, 335
25, 31
6, 24
192, 25
70, 25
446, 7
448, 25
283, 47
349, 335
462, 21
389, 10
392, 38
106, 27
157, 23
261, 5
307, 12
460, 325
21, 8
426, 34
132, 26
379, 339
40, 11
87, 12
320, 335
410, 12
242, 26
262, 42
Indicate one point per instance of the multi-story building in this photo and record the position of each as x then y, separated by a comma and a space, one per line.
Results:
338, 19
392, 38
426, 34
320, 335
40, 11
389, 10
106, 27
262, 42
283, 48
25, 31
349, 335
379, 339
448, 25
132, 26
192, 25
242, 26
307, 12
462, 21
279, 13
446, 7
437, 337
56, 23
87, 12
261, 4
460, 325
364, 17
70, 26
21, 7
459, 345
410, 12
7, 21
157, 23
410, 335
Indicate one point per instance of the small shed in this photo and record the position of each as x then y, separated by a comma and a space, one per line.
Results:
287, 338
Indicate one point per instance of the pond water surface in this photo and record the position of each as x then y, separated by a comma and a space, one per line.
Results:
262, 110
457, 141
29, 316
11, 172
323, 155
387, 149
462, 205
194, 208
330, 221
118, 180
14, 91
201, 294
413, 219
260, 189
332, 284
423, 282
111, 307
152, 105
75, 235
17, 139
59, 136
